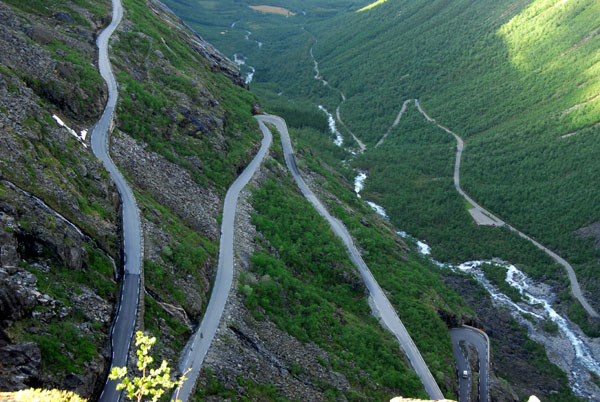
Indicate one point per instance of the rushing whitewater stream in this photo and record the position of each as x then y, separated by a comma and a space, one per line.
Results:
569, 348
339, 140
359, 183
242, 61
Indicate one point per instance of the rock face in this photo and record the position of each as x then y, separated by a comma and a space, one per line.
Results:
21, 365
592, 230
64, 84
38, 247
197, 207
58, 209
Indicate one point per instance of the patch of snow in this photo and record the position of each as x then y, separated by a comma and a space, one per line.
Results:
80, 137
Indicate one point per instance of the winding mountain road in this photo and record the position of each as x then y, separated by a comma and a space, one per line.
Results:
575, 288
395, 123
197, 347
381, 305
480, 341
124, 324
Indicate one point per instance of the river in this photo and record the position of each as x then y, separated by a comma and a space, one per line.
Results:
359, 183
569, 348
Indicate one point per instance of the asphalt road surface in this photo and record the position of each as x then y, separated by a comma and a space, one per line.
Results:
378, 299
480, 342
197, 347
123, 326
575, 288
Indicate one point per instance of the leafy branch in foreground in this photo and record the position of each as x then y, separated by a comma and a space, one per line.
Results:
153, 383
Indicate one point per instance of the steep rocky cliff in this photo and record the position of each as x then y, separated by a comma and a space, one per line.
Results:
59, 222
182, 133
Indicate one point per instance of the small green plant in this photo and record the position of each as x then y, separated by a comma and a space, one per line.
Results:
153, 383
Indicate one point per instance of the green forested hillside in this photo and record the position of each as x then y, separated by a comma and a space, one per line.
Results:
517, 80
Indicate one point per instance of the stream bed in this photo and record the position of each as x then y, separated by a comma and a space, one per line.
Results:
568, 347
339, 140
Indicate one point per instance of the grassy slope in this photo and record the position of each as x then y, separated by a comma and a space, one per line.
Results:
309, 295
414, 289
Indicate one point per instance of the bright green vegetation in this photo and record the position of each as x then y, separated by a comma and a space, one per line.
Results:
414, 289
410, 175
312, 291
63, 338
255, 391
152, 382
44, 395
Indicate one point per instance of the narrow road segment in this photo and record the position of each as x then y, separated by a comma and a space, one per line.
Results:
480, 341
381, 305
123, 326
195, 351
